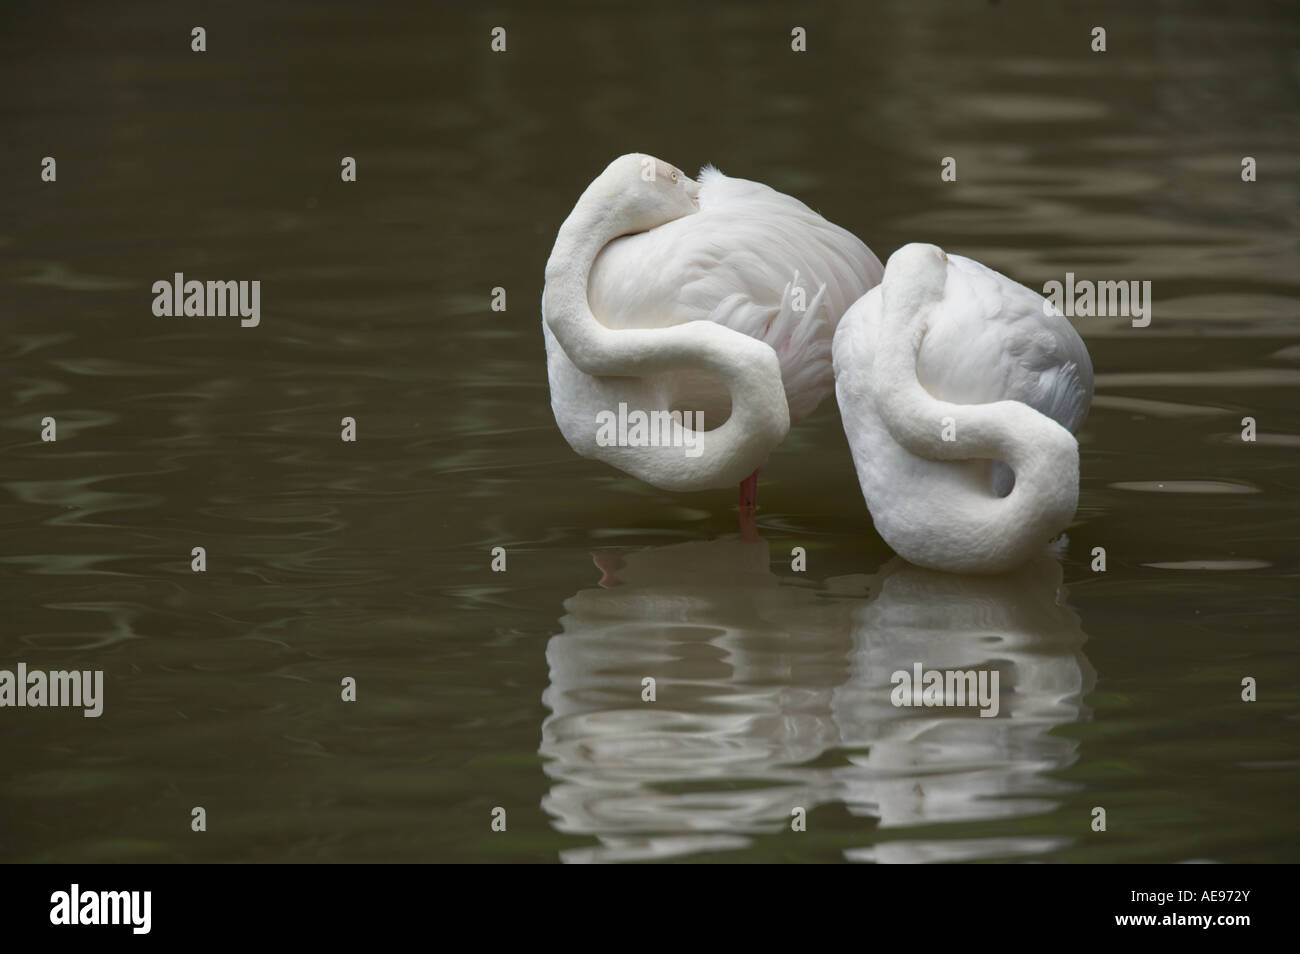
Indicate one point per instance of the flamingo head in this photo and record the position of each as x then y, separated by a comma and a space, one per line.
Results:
646, 192
916, 274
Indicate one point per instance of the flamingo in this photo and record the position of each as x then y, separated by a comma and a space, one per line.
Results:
717, 297
960, 392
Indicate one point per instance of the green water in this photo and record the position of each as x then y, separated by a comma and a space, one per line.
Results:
522, 689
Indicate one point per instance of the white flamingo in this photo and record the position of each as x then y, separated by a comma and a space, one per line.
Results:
960, 392
719, 296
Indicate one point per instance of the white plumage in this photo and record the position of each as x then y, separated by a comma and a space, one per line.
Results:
992, 341
959, 394
720, 296
741, 261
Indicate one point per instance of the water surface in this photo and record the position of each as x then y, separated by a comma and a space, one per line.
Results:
523, 689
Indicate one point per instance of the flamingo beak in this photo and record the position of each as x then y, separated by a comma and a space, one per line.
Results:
692, 189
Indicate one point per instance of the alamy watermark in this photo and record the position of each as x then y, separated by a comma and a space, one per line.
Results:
74, 906
1108, 299
195, 299
59, 688
637, 428
946, 687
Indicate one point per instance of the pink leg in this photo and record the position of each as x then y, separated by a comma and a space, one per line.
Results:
749, 492
748, 504
609, 562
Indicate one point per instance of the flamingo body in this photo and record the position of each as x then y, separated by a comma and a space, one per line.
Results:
738, 295
960, 392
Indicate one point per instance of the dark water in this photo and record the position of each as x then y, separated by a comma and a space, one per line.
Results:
522, 689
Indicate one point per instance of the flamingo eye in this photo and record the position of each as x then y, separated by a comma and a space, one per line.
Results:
673, 176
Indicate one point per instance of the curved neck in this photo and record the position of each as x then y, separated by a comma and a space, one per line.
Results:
1042, 453
589, 228
750, 369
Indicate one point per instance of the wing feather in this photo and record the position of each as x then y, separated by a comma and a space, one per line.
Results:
992, 341
752, 259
